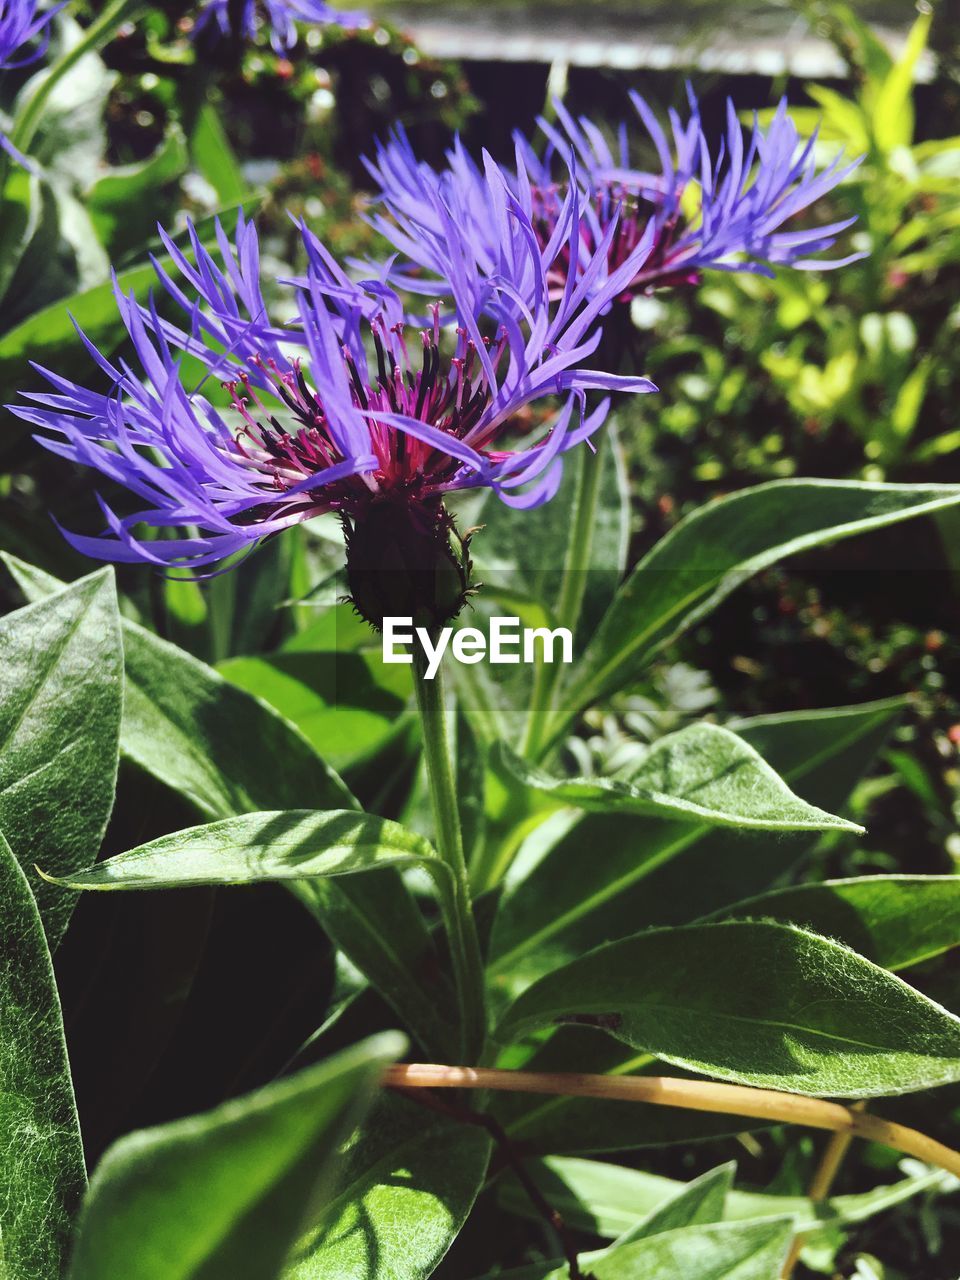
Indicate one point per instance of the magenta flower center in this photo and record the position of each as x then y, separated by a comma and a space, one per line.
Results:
293, 440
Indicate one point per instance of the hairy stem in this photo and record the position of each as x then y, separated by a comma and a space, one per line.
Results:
461, 927
691, 1095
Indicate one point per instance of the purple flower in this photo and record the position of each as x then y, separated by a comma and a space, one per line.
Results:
350, 408
697, 212
21, 21
245, 18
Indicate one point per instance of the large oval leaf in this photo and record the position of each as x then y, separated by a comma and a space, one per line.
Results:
702, 774
61, 691
409, 1180
224, 1196
758, 1003
712, 551
42, 1172
608, 875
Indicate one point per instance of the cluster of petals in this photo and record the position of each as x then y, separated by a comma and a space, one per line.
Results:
348, 404
245, 19
21, 23
727, 211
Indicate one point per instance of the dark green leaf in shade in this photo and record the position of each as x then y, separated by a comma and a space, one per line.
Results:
41, 1156
227, 753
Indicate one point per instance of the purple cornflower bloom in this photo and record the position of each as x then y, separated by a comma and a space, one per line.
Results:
371, 410
21, 21
245, 18
698, 212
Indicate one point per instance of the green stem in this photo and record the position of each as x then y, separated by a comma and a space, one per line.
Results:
461, 927
576, 566
99, 32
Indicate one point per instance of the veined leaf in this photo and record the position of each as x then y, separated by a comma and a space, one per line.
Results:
605, 1199
895, 921
41, 1156
712, 551
702, 774
763, 1004
61, 689
607, 875
409, 1181
702, 1200
265, 847
225, 1195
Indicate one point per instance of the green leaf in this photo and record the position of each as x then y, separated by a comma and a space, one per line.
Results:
616, 1202
309, 851
702, 774
893, 115
213, 156
225, 1195
716, 1251
702, 1200
575, 1126
895, 921
125, 204
264, 848
71, 139
757, 1003
521, 551
604, 1199
228, 753
222, 749
41, 1155
712, 551
45, 333
409, 1181
347, 704
61, 689
22, 209
48, 336
580, 883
